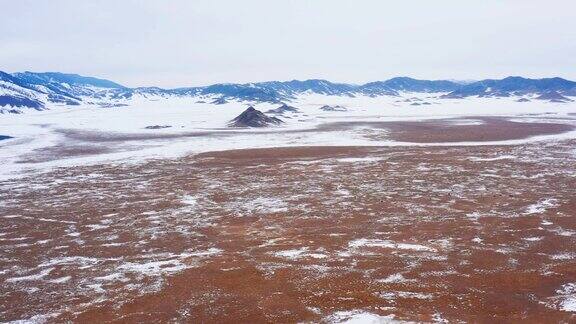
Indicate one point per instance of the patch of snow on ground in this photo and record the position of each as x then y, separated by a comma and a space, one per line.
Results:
391, 295
541, 206
342, 192
291, 254
94, 227
563, 256
190, 200
496, 158
360, 160
265, 205
389, 244
359, 317
563, 232
36, 319
474, 216
173, 265
61, 279
38, 276
437, 318
533, 239
568, 297
77, 261
299, 253
395, 278
477, 240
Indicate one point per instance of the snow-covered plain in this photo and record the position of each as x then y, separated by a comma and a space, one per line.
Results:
36, 131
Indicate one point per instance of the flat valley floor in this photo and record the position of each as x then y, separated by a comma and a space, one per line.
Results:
483, 233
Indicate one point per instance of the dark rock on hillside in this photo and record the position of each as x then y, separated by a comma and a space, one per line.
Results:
56, 98
4, 137
333, 108
254, 118
523, 100
283, 109
157, 127
553, 96
122, 95
112, 105
243, 92
219, 101
378, 88
290, 88
414, 85
14, 101
10, 111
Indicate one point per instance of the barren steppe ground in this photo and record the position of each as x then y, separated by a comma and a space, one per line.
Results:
417, 233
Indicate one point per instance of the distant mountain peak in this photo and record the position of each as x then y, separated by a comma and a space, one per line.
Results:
69, 78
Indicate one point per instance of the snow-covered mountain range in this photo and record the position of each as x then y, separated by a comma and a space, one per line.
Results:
24, 91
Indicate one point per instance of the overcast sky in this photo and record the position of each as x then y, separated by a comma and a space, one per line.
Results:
173, 43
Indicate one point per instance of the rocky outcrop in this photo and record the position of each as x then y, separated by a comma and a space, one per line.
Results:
282, 110
157, 127
553, 96
254, 118
333, 108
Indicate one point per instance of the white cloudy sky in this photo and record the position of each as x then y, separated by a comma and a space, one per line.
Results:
196, 42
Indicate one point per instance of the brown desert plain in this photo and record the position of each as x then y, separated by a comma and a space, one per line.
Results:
424, 233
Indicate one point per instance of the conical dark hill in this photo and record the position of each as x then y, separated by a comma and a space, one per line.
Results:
254, 118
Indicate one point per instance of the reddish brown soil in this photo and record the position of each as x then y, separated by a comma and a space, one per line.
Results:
450, 131
460, 225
